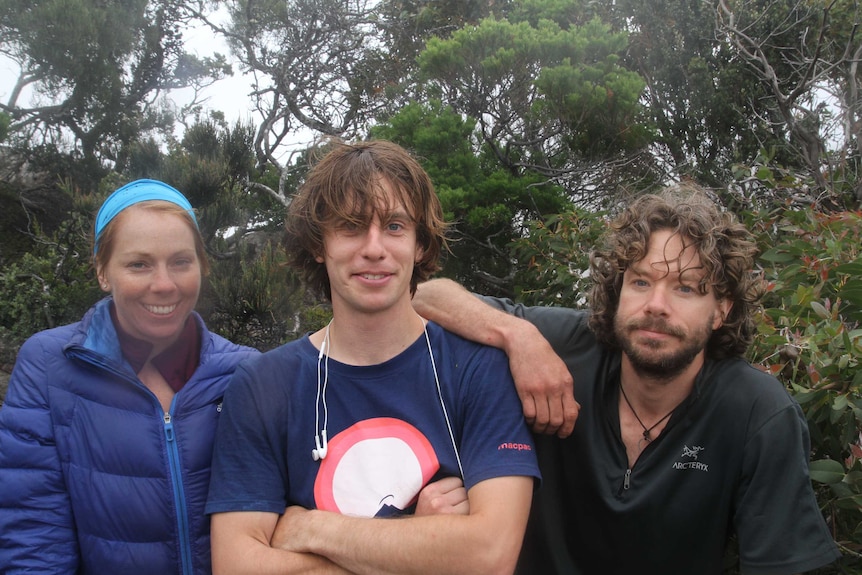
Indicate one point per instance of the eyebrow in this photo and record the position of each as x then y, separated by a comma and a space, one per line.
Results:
665, 268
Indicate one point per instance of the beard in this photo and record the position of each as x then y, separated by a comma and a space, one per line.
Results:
649, 359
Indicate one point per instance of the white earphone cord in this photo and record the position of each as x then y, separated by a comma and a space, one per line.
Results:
321, 445
442, 404
320, 439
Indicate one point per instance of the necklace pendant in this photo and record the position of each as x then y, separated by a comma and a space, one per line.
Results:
647, 438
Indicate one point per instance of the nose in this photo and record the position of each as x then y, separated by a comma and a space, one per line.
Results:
162, 280
373, 247
657, 302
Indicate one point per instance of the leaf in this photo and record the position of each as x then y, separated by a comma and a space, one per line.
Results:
777, 255
853, 502
820, 310
826, 471
839, 403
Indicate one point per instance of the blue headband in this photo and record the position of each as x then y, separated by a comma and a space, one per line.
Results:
136, 192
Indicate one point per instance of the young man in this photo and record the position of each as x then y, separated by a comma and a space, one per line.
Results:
358, 421
679, 441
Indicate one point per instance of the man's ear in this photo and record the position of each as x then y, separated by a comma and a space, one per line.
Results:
724, 307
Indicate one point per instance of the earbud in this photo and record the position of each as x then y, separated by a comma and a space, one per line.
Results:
322, 448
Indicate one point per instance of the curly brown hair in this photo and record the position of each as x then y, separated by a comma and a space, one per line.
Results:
345, 186
725, 247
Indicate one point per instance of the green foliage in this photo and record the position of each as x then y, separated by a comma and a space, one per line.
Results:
256, 299
440, 138
810, 337
549, 96
589, 90
52, 285
554, 256
486, 205
5, 120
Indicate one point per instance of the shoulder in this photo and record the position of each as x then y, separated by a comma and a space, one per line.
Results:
750, 393
218, 345
538, 312
42, 350
220, 349
565, 328
745, 381
49, 339
288, 358
455, 346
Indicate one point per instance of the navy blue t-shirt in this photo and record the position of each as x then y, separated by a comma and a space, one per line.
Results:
388, 435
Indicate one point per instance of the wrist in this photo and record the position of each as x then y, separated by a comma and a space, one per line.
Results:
516, 333
317, 527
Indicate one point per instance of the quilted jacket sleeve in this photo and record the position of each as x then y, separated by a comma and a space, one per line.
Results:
37, 533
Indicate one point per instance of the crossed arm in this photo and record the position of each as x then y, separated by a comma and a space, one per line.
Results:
447, 535
542, 379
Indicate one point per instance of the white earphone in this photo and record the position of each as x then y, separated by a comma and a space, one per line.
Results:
322, 446
320, 439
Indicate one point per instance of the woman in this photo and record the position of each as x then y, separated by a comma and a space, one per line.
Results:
107, 430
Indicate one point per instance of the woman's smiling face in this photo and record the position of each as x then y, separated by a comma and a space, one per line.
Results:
154, 274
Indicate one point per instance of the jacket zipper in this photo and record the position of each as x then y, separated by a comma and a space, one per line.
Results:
179, 494
173, 460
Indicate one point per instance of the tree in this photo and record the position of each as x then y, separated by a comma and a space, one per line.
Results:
698, 96
487, 206
96, 70
549, 99
323, 61
5, 120
808, 70
408, 24
211, 165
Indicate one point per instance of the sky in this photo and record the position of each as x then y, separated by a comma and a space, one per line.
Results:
230, 95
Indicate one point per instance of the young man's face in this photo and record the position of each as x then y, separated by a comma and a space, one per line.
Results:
663, 322
370, 268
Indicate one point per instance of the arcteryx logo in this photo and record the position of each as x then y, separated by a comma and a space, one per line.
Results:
691, 454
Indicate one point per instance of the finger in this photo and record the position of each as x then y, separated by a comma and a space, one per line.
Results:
448, 484
543, 414
463, 508
455, 496
570, 410
529, 406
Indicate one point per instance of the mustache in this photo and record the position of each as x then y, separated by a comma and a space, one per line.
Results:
656, 325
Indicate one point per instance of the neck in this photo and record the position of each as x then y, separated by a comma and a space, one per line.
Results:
357, 339
653, 397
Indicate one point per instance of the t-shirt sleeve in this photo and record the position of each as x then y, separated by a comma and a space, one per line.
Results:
248, 471
496, 441
778, 522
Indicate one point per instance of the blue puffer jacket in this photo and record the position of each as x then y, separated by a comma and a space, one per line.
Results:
94, 476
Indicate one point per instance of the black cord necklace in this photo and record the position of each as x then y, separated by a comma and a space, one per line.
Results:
647, 430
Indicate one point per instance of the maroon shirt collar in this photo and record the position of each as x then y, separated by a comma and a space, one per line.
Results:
176, 364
